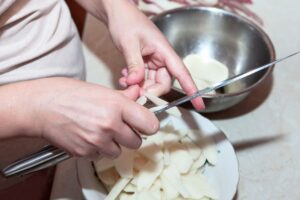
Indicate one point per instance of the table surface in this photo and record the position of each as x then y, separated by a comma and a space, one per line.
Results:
263, 129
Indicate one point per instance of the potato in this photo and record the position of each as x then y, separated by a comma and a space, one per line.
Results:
159, 102
168, 166
207, 69
204, 71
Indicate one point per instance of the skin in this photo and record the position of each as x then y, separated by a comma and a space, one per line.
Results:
87, 119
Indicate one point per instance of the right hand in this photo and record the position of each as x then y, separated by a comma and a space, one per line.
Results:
86, 119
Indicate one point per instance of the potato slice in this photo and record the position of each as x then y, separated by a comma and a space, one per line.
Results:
117, 189
103, 164
198, 186
146, 177
211, 154
146, 195
200, 162
139, 162
191, 147
109, 177
169, 192
167, 159
124, 163
180, 158
141, 100
130, 188
201, 84
207, 69
155, 189
159, 102
125, 196
157, 138
151, 150
171, 175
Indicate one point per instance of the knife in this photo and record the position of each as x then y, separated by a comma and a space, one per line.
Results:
50, 155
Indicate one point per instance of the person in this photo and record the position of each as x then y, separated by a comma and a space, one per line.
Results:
43, 93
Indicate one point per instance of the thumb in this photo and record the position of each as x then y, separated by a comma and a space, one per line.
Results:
135, 63
132, 92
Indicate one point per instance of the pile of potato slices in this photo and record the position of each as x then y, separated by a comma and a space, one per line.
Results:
168, 166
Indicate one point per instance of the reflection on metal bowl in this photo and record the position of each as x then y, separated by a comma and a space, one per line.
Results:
229, 38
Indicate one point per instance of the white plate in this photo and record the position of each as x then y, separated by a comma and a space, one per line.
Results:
224, 176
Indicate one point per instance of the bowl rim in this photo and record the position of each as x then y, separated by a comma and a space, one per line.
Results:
266, 38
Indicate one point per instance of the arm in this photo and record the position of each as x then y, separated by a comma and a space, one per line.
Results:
15, 107
144, 48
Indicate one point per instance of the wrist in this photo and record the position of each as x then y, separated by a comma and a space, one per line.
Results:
17, 114
110, 9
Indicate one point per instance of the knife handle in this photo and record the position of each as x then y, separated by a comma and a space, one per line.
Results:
44, 158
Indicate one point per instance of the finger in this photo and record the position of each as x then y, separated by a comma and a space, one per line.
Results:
122, 82
131, 92
162, 84
152, 74
140, 118
128, 138
111, 150
124, 72
95, 156
103, 143
134, 61
180, 72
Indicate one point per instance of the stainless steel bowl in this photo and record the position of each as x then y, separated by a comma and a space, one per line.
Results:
227, 37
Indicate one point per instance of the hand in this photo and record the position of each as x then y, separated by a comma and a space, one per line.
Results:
146, 50
85, 119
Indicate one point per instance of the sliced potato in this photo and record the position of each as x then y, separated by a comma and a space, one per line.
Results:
168, 166
180, 158
159, 102
145, 195
139, 162
207, 69
170, 174
117, 189
142, 100
197, 182
109, 177
211, 154
169, 191
103, 164
130, 188
200, 162
124, 163
191, 147
146, 177
151, 150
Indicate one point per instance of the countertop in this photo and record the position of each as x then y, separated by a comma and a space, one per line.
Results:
264, 128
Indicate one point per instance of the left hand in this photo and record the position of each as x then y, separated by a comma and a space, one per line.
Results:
147, 50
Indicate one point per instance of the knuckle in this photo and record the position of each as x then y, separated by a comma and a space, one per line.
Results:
82, 152
106, 125
114, 154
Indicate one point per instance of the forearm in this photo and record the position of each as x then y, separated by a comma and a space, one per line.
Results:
102, 9
16, 118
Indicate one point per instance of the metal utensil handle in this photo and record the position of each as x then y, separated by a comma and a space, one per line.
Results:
45, 157
51, 155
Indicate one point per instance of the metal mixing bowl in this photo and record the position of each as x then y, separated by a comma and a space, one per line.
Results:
227, 37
